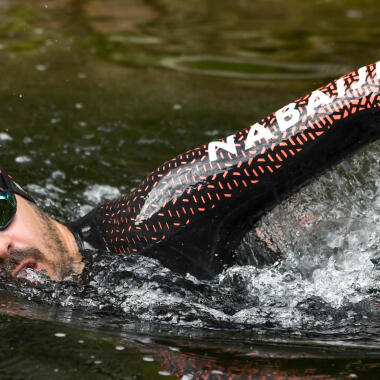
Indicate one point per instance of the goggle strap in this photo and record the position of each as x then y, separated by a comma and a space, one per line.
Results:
18, 190
14, 187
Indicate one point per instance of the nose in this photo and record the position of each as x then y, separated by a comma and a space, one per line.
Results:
5, 246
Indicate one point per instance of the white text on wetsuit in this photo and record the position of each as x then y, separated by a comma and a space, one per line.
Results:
288, 116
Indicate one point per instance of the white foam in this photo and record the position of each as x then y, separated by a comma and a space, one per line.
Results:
23, 159
328, 233
5, 137
98, 193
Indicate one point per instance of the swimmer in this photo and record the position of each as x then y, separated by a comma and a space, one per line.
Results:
191, 212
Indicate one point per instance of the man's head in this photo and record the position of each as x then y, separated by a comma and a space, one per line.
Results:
31, 239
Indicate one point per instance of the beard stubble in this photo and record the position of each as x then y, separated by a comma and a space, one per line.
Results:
55, 256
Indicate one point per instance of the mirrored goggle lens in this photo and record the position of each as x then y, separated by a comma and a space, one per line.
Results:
7, 209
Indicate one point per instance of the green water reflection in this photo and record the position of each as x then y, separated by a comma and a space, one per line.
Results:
105, 349
34, 350
85, 98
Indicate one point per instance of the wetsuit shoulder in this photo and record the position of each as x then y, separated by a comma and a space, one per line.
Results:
88, 232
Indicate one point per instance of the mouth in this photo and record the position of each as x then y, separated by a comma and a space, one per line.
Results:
28, 270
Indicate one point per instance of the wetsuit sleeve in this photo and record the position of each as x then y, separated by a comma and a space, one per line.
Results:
192, 211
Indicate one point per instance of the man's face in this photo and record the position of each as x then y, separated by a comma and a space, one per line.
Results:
33, 240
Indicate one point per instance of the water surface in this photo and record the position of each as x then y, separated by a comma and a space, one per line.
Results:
96, 94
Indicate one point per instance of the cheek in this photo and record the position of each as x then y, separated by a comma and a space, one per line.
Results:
26, 230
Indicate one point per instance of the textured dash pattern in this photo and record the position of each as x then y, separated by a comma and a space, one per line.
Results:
188, 186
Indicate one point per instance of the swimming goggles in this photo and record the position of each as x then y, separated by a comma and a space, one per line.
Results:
8, 203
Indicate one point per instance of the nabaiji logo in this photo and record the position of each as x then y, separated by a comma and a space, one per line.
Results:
290, 115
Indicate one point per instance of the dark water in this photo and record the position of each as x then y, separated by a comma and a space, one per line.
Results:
96, 94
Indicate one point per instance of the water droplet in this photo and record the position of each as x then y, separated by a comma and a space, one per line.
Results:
41, 67
23, 159
164, 373
148, 359
119, 348
78, 106
60, 335
5, 137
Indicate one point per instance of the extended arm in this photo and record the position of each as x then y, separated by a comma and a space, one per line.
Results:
191, 211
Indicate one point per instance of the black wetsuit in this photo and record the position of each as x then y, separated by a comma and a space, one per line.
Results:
191, 212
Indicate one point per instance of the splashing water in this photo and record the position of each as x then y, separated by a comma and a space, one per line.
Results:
328, 236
